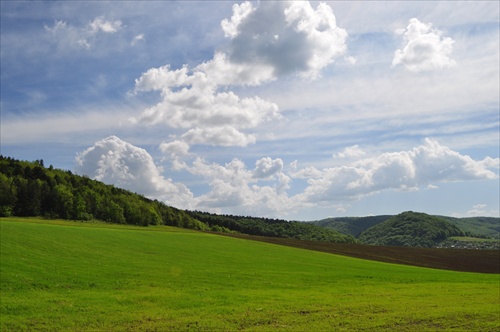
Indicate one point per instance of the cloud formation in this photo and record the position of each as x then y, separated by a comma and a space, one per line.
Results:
350, 152
267, 41
191, 100
288, 36
68, 36
422, 166
236, 188
117, 162
267, 189
425, 49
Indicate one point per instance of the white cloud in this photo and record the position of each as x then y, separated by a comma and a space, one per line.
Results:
218, 136
266, 189
100, 24
350, 152
191, 100
67, 36
175, 148
240, 12
481, 210
306, 173
267, 167
289, 36
235, 188
117, 162
136, 39
425, 49
405, 170
267, 41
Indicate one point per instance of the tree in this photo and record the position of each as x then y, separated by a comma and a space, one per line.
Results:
64, 201
7, 196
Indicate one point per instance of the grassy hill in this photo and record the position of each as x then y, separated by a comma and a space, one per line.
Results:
61, 276
410, 229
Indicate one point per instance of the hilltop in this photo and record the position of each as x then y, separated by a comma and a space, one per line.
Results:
410, 229
477, 232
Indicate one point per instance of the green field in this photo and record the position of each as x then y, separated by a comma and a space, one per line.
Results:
62, 276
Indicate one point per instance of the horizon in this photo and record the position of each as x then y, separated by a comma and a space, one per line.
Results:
289, 110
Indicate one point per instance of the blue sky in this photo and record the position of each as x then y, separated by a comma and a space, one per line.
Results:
296, 110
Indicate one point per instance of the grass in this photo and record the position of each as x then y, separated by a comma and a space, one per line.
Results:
58, 275
464, 260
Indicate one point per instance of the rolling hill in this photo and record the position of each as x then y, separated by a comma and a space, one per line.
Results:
110, 277
410, 229
481, 227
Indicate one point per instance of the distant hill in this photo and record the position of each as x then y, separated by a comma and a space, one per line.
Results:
411, 229
351, 225
271, 227
487, 227
482, 227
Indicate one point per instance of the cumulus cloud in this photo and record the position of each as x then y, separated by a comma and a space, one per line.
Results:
267, 41
306, 173
266, 189
218, 136
406, 170
236, 188
288, 36
267, 167
425, 49
117, 162
175, 148
72, 37
191, 100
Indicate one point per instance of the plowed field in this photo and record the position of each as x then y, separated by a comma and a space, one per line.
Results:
466, 260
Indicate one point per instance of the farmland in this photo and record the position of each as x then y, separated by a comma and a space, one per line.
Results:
62, 275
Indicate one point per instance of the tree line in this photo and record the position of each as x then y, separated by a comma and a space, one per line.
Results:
271, 227
29, 189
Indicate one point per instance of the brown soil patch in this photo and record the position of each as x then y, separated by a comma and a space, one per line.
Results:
466, 260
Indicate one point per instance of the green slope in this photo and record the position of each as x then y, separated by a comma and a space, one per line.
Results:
62, 276
487, 227
410, 229
351, 225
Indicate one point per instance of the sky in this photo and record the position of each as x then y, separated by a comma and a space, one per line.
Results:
293, 110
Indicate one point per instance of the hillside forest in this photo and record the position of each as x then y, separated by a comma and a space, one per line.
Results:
29, 189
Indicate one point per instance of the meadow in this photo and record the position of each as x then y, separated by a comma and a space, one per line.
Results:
63, 275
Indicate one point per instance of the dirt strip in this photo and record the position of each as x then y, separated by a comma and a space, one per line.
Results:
466, 260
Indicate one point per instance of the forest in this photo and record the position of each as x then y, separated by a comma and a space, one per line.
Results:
411, 229
29, 189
